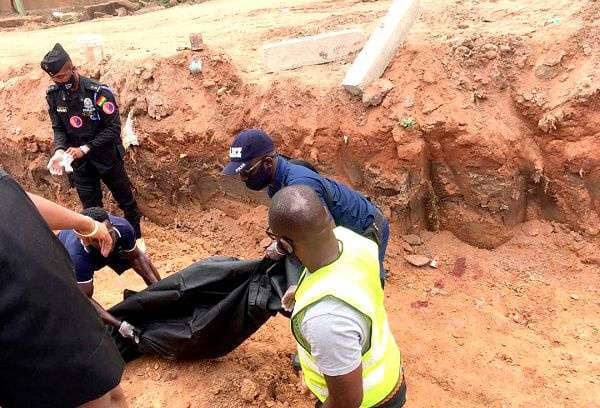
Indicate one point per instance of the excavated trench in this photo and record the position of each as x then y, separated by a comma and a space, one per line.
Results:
470, 139
482, 136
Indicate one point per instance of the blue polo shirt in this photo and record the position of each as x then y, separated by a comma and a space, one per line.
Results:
88, 260
348, 208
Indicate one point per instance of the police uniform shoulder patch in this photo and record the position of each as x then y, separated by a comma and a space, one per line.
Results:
76, 122
109, 108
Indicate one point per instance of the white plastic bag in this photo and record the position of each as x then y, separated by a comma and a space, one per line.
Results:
129, 135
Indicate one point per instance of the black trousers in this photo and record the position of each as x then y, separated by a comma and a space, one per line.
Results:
86, 179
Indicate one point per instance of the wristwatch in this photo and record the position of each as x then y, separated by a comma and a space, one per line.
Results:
84, 148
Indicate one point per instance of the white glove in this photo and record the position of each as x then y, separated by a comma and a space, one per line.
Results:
288, 299
273, 252
66, 162
55, 164
128, 331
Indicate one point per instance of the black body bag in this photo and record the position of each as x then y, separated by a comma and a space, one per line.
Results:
206, 310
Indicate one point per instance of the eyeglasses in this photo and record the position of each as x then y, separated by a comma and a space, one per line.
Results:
246, 172
250, 169
276, 237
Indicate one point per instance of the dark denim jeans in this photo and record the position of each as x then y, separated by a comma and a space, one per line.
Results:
379, 232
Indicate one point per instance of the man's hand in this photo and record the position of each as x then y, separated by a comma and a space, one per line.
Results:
288, 300
129, 331
104, 239
76, 152
55, 164
99, 233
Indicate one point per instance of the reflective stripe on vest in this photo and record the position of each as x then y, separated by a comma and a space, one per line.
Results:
353, 279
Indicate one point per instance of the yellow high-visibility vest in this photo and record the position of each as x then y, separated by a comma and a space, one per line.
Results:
353, 279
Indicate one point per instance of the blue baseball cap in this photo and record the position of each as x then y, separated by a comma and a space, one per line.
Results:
247, 146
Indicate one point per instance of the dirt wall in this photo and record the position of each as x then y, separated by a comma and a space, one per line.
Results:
6, 5
480, 133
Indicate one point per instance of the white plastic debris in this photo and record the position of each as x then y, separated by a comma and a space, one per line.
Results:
129, 136
196, 66
433, 263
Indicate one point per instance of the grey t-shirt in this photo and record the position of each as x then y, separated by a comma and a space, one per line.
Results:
337, 334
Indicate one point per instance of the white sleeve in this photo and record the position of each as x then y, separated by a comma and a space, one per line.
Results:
336, 340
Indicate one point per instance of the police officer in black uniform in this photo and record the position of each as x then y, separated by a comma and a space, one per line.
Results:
86, 125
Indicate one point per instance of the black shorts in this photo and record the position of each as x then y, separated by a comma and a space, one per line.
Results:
54, 350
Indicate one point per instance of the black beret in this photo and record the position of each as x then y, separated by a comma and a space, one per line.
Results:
55, 60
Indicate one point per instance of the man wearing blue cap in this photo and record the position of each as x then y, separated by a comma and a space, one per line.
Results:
252, 155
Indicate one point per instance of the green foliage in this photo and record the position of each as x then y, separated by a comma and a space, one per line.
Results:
408, 122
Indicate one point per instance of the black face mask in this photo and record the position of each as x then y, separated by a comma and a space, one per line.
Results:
260, 178
69, 85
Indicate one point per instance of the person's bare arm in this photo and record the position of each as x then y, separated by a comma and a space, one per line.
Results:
104, 315
125, 329
88, 289
143, 266
345, 391
58, 218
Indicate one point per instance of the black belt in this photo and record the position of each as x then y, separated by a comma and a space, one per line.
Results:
397, 399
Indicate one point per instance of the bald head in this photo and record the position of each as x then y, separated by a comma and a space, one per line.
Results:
297, 212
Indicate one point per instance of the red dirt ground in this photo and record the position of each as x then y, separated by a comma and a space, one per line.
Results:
499, 177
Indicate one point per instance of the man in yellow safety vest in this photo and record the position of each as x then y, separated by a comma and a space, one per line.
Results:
347, 353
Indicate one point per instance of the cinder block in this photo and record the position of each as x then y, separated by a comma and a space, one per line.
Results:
316, 49
381, 46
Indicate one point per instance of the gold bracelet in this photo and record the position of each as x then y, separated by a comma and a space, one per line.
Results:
91, 234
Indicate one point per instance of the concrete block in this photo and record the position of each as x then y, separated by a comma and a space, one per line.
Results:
381, 46
316, 49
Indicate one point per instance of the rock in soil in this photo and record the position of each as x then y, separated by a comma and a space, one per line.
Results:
407, 248
374, 94
412, 239
248, 390
417, 260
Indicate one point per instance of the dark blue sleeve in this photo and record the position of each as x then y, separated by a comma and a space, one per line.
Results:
84, 271
127, 240
316, 185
